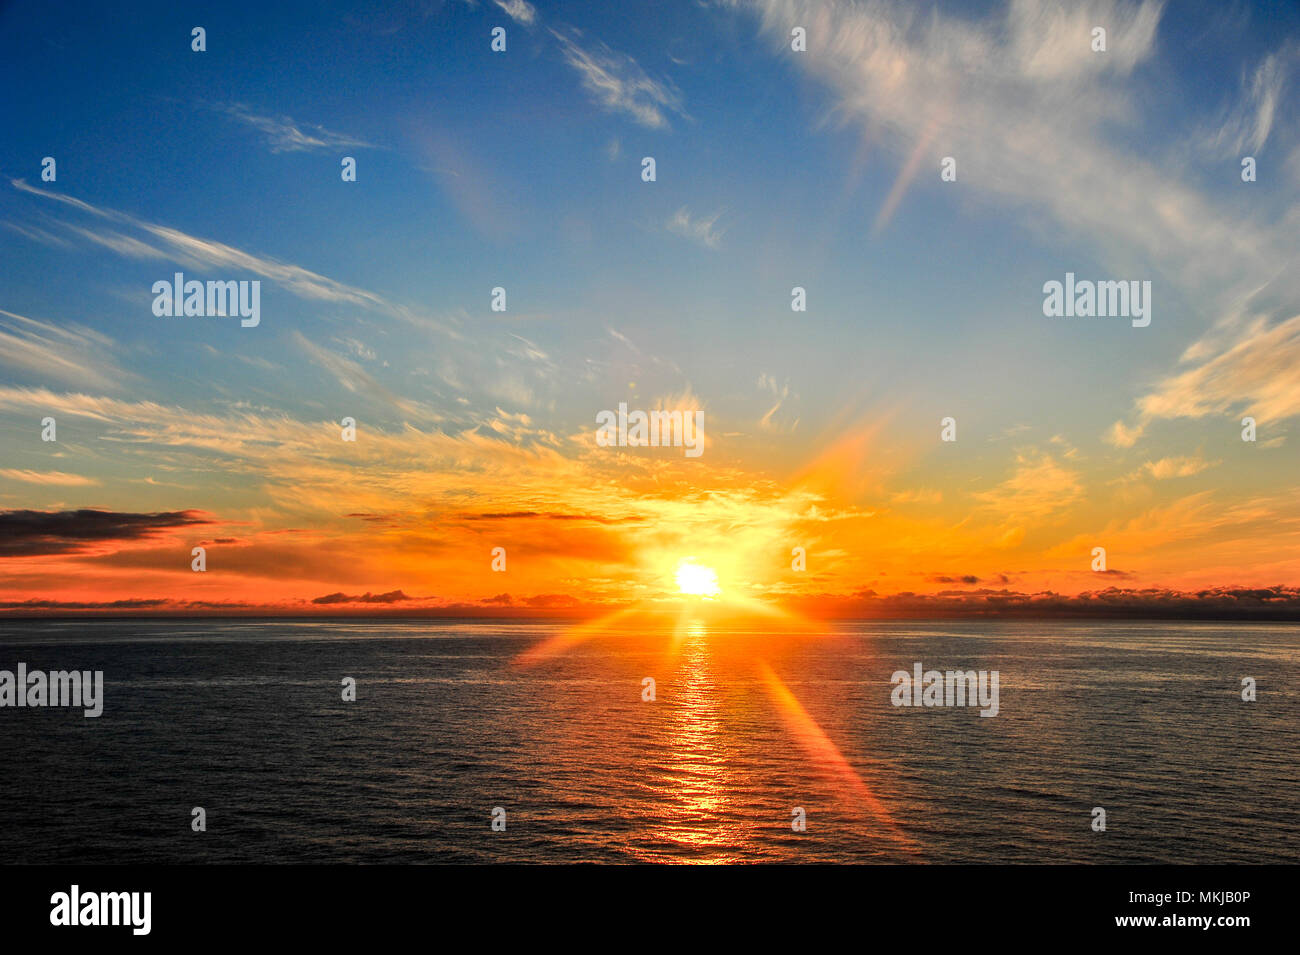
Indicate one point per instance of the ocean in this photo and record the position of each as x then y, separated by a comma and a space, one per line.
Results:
455, 719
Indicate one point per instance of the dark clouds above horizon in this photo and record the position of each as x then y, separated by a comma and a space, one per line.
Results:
26, 533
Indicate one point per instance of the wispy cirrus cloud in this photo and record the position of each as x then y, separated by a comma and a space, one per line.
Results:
356, 379
1248, 123
70, 353
781, 393
1254, 371
701, 229
48, 478
1049, 126
905, 78
618, 83
163, 242
286, 135
521, 11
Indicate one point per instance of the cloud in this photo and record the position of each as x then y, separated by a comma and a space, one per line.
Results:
393, 596
927, 496
521, 11
1249, 122
701, 230
1047, 125
545, 601
358, 348
619, 84
296, 470
31, 533
285, 135
49, 478
193, 252
1214, 603
781, 392
1245, 365
69, 353
541, 516
1256, 373
1122, 436
37, 234
1237, 603
1175, 467
1052, 127
356, 379
1039, 487
143, 603
1190, 518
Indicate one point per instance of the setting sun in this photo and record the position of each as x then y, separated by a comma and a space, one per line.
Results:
693, 578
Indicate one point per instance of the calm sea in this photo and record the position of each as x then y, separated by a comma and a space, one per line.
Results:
452, 719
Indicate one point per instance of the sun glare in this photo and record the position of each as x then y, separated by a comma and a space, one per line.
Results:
696, 579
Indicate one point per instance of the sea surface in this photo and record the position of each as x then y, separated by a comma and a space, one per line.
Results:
247, 720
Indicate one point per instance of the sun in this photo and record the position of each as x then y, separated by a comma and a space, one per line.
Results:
696, 579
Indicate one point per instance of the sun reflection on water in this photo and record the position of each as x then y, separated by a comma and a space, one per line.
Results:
694, 774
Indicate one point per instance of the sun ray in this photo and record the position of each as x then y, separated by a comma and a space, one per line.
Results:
823, 750
571, 637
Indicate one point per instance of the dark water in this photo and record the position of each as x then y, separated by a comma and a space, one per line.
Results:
246, 720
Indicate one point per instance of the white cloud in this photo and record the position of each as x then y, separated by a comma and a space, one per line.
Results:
1249, 123
71, 354
618, 83
357, 380
1258, 374
521, 11
701, 230
162, 242
285, 135
1038, 121
1176, 467
49, 478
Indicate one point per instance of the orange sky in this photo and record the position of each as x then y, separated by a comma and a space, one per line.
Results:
299, 521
